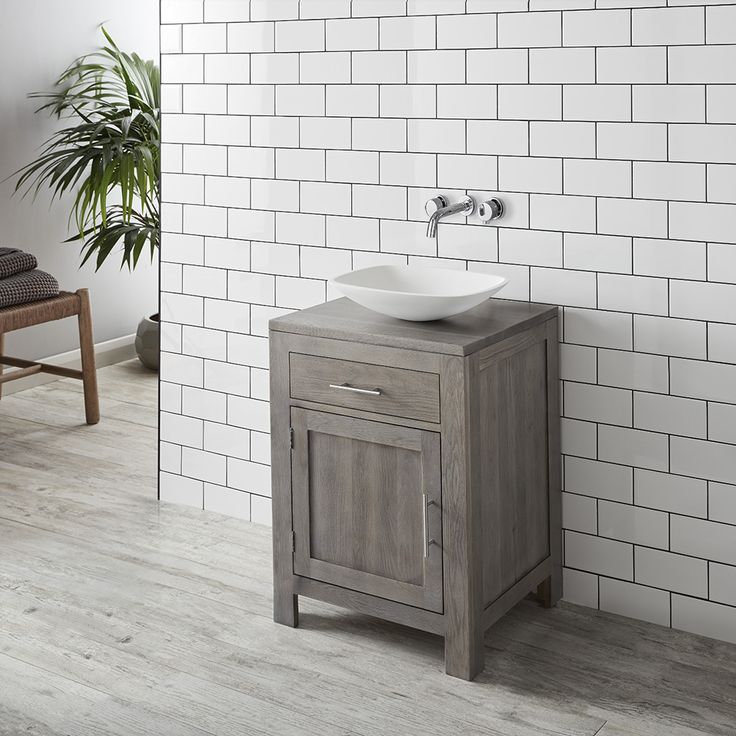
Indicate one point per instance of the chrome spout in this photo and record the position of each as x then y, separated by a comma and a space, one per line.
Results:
465, 205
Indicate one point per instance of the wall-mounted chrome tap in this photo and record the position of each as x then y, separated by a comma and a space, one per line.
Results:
438, 208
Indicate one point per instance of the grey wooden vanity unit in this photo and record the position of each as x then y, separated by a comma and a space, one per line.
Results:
416, 466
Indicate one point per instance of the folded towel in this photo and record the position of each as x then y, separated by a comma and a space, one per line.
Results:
29, 286
14, 261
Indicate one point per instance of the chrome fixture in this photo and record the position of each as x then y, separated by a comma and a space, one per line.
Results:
438, 208
355, 389
492, 209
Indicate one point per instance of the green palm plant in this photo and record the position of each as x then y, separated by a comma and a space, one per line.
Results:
108, 155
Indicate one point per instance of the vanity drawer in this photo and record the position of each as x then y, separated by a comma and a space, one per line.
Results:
398, 392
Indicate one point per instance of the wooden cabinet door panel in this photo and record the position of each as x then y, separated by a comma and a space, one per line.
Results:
367, 507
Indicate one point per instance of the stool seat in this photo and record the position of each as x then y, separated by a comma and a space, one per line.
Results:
66, 304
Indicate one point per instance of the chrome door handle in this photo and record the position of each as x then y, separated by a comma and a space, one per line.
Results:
355, 389
426, 503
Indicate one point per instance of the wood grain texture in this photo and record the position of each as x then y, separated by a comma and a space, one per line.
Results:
511, 392
403, 393
486, 324
125, 617
358, 499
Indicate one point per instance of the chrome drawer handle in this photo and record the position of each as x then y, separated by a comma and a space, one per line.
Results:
355, 389
426, 503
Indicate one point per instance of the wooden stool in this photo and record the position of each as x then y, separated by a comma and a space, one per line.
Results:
49, 310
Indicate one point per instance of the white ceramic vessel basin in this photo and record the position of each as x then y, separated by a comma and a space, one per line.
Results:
418, 294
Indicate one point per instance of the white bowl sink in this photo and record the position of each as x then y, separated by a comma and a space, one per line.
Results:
417, 293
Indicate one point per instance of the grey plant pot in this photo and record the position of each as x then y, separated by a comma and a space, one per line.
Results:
148, 342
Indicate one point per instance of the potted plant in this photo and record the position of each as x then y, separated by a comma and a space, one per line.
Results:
109, 157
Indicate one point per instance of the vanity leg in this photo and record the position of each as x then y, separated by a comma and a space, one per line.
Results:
286, 608
549, 591
464, 654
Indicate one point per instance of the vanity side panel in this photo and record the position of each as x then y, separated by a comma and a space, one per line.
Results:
285, 602
513, 426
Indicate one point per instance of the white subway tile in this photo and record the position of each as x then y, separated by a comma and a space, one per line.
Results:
562, 66
498, 66
466, 172
669, 181
578, 363
227, 377
379, 201
260, 510
408, 238
669, 103
435, 67
722, 422
580, 588
379, 67
643, 217
172, 98
352, 232
596, 28
299, 293
247, 350
722, 502
200, 220
721, 103
695, 221
579, 513
375, 134
720, 25
705, 539
700, 380
538, 248
635, 601
247, 476
408, 33
633, 447
633, 370
563, 212
578, 438
274, 131
225, 191
170, 457
181, 430
598, 555
468, 242
182, 68
296, 99
598, 403
324, 8
329, 67
711, 143
300, 35
672, 258
722, 343
324, 263
598, 328
525, 30
434, 7
709, 460
683, 338
609, 102
408, 169
667, 26
204, 38
181, 11
182, 369
722, 262
181, 490
203, 404
529, 102
325, 133
269, 194
275, 68
275, 258
521, 174
251, 287
200, 342
352, 100
183, 128
669, 492
233, 68
380, 8
250, 99
298, 163
220, 314
205, 466
723, 584
598, 178
409, 101
598, 479
270, 10
466, 31
226, 501
184, 188
630, 65
557, 286
598, 252
670, 414
632, 141
569, 140
705, 301
251, 225
498, 137
250, 37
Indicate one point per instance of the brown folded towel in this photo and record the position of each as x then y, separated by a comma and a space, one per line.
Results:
29, 286
13, 261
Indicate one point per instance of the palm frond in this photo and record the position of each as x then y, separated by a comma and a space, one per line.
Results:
109, 150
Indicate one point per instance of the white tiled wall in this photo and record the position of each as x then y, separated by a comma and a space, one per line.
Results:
301, 139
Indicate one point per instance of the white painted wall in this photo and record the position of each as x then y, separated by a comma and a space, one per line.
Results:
38, 38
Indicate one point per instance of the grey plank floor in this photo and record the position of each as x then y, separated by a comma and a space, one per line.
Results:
122, 616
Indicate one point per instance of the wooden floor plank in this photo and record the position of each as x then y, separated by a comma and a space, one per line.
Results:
122, 616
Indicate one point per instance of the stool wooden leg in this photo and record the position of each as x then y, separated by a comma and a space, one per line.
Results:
89, 369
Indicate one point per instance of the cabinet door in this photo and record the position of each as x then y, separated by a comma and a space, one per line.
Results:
367, 507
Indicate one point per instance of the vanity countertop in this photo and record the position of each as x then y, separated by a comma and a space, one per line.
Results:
484, 325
